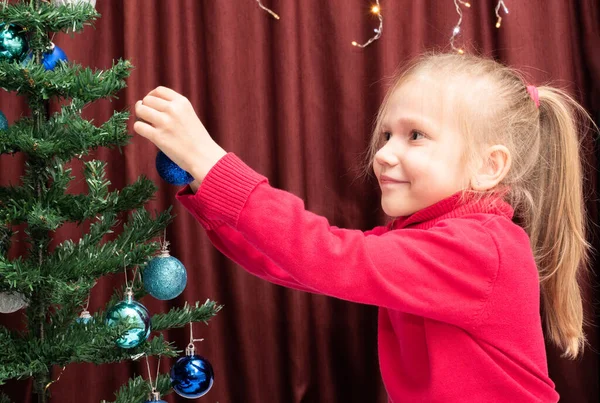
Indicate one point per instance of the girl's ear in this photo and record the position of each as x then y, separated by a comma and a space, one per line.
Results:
496, 163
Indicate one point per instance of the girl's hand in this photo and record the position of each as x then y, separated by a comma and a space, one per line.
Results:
169, 121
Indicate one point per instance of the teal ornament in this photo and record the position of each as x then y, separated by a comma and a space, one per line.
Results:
192, 376
126, 311
84, 318
13, 43
3, 121
170, 171
165, 276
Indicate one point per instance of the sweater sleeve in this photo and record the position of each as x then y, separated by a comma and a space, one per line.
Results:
445, 273
232, 244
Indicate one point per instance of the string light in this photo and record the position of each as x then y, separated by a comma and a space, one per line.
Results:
376, 9
499, 21
268, 10
456, 29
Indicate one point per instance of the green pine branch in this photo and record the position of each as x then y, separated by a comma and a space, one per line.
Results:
92, 342
47, 17
67, 81
138, 389
4, 398
65, 136
180, 317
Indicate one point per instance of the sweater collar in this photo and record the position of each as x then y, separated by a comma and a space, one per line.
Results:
452, 207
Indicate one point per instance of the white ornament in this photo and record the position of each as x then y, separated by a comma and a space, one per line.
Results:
66, 2
11, 302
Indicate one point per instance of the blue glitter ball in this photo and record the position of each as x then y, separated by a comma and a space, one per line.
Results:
3, 121
51, 58
192, 376
171, 172
130, 310
164, 277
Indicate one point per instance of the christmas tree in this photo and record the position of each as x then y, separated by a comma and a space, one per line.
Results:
52, 286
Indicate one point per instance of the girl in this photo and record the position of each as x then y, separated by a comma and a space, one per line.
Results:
461, 144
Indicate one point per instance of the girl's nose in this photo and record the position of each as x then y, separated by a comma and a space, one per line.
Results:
386, 156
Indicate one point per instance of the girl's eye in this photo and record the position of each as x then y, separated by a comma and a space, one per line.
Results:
415, 135
387, 136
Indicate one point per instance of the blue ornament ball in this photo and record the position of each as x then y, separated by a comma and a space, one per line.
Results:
3, 121
164, 277
51, 58
192, 376
155, 397
171, 172
130, 310
13, 43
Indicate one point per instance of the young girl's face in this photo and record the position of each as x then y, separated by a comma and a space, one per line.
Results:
421, 161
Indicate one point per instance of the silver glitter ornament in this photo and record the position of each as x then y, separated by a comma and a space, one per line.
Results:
11, 302
67, 2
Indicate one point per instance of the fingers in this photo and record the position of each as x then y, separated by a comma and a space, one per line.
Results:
164, 93
156, 103
145, 130
148, 114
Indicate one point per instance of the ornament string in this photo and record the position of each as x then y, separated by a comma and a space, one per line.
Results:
268, 10
154, 386
127, 286
376, 9
192, 340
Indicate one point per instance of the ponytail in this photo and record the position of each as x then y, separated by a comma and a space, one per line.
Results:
556, 221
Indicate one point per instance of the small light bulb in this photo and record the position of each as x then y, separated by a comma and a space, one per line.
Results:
499, 23
354, 43
375, 9
456, 30
468, 4
460, 51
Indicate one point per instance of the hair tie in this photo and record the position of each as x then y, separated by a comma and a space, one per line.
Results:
533, 93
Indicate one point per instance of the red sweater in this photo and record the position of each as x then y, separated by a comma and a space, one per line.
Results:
456, 283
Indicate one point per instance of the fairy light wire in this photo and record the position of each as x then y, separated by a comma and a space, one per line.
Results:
456, 30
376, 9
268, 10
499, 19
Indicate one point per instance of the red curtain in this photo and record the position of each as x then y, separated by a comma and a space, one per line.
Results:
296, 101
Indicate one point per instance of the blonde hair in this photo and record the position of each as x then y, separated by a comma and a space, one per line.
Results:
544, 184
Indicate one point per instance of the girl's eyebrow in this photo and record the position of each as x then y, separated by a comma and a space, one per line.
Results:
418, 122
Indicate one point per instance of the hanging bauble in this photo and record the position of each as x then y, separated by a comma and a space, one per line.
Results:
165, 276
155, 397
50, 58
126, 311
3, 121
171, 172
67, 2
11, 301
192, 376
85, 317
13, 43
